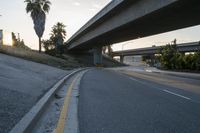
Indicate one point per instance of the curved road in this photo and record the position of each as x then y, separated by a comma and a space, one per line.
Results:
114, 103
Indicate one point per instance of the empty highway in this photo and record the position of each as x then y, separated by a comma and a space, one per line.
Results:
138, 102
115, 100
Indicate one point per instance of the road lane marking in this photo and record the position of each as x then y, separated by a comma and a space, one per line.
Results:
161, 89
177, 94
131, 78
63, 115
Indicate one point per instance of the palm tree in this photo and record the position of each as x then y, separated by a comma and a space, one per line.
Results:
38, 10
58, 34
58, 30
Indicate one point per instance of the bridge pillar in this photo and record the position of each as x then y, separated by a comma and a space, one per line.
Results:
121, 58
97, 53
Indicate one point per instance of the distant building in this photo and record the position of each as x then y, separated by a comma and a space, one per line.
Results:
5, 38
1, 37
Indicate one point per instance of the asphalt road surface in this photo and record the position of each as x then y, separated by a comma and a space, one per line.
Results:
22, 83
111, 102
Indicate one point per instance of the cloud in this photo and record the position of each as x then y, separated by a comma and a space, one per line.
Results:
97, 6
76, 3
92, 9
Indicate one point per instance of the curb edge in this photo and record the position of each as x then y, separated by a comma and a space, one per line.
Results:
27, 121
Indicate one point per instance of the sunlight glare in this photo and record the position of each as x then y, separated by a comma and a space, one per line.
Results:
7, 38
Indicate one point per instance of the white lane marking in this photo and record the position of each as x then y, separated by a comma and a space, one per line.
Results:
136, 80
132, 78
177, 94
161, 89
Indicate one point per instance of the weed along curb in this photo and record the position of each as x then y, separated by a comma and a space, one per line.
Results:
28, 121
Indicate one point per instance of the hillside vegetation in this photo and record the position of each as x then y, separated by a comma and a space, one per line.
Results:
65, 62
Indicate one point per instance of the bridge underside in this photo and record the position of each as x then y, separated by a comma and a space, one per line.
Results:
183, 48
179, 14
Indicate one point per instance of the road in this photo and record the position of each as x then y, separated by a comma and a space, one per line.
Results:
138, 102
22, 83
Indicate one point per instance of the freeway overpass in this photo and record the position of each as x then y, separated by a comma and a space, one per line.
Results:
184, 47
123, 20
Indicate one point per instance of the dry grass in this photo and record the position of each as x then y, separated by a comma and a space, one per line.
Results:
68, 62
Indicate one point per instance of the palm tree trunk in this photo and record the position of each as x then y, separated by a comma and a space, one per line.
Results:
40, 45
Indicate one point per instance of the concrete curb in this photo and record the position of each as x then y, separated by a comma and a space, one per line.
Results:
72, 121
27, 122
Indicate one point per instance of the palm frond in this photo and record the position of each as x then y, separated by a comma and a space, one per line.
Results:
38, 10
29, 6
28, 1
46, 7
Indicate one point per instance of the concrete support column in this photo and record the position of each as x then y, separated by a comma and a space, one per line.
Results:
97, 53
121, 58
152, 57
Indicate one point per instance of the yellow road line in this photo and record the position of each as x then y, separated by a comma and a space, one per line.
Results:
63, 115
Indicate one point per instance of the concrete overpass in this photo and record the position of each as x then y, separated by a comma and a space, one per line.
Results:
184, 47
123, 20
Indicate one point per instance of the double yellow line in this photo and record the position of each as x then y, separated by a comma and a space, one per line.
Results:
63, 115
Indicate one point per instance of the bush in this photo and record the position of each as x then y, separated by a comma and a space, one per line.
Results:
197, 60
167, 53
171, 58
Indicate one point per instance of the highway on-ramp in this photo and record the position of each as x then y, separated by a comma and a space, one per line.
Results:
138, 102
116, 100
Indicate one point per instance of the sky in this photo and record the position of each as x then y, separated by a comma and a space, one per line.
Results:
74, 14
